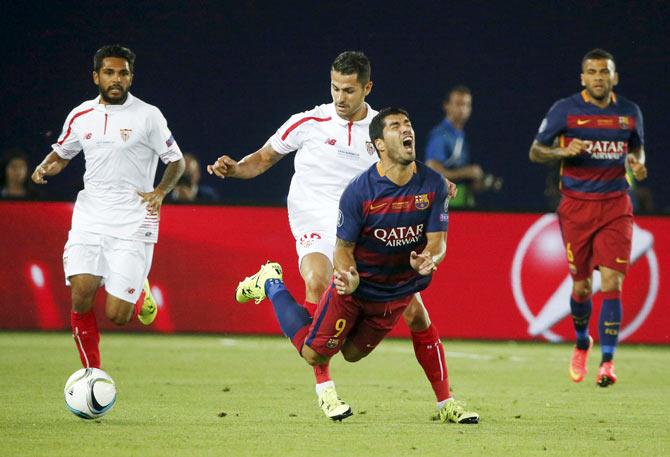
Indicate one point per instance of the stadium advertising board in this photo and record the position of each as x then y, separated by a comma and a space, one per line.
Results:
504, 277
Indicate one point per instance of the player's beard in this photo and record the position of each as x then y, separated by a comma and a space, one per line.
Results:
605, 94
113, 100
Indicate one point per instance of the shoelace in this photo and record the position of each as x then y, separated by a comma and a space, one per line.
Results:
455, 408
331, 400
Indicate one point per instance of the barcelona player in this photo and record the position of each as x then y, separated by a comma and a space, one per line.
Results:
596, 134
391, 236
332, 144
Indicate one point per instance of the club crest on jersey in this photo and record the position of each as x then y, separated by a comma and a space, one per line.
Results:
421, 201
170, 141
370, 147
332, 343
125, 134
623, 123
308, 239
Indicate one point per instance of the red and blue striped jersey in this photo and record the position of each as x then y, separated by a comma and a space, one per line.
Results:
387, 222
610, 133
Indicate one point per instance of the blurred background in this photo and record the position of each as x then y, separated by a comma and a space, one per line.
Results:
227, 74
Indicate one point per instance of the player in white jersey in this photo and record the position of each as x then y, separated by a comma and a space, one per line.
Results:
116, 215
333, 145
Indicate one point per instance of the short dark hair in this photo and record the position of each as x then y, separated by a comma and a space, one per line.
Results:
353, 62
460, 89
377, 123
113, 50
597, 54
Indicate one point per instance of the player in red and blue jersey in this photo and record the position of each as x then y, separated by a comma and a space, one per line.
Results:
596, 135
391, 236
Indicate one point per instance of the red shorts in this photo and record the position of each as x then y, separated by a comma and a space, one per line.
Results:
596, 233
363, 323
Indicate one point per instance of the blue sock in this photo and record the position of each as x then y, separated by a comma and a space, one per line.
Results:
581, 313
609, 325
291, 316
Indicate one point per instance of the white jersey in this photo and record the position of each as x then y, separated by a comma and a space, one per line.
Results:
330, 152
122, 144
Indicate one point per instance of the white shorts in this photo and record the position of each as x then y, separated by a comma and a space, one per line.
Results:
122, 264
312, 234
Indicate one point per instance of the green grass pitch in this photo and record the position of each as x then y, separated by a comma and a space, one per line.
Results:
252, 396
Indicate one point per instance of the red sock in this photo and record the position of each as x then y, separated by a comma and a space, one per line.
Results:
138, 304
310, 307
430, 354
86, 337
322, 373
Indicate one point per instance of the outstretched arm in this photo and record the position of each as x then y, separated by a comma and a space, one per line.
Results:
471, 172
50, 166
171, 175
249, 167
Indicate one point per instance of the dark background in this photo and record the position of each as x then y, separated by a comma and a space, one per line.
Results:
226, 75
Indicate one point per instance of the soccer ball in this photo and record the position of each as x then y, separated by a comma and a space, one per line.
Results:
90, 393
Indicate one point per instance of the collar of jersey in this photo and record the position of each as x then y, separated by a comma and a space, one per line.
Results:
587, 98
338, 120
111, 108
382, 174
450, 126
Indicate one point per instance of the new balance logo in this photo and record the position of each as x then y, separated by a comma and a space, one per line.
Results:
331, 141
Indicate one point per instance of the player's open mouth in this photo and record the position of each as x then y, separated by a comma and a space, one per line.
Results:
408, 141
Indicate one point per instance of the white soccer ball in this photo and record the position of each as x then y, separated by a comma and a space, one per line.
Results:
90, 393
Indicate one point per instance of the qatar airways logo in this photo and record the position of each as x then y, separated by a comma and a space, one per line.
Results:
399, 236
606, 149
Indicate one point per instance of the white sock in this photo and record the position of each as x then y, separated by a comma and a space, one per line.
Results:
440, 404
323, 386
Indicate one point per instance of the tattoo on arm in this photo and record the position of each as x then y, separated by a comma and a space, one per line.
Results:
345, 244
172, 173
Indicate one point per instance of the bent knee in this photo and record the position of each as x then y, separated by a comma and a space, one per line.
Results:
312, 357
119, 317
352, 354
582, 292
416, 318
316, 283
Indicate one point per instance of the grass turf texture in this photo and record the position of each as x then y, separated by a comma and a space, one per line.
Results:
252, 396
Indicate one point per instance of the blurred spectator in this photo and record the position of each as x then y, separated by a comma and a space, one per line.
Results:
640, 196
15, 183
188, 188
448, 151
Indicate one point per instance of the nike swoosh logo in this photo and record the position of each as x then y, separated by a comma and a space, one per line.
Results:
610, 324
583, 121
376, 207
618, 260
